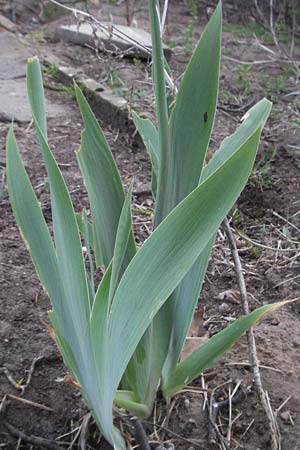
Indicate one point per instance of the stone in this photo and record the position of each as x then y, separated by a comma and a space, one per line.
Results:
286, 416
13, 57
112, 108
13, 96
224, 308
14, 103
296, 342
7, 24
84, 35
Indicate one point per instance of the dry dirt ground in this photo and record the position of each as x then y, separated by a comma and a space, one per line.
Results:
266, 225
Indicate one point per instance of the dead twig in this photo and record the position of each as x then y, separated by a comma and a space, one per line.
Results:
216, 407
140, 435
31, 440
284, 54
247, 364
266, 247
164, 16
177, 436
110, 29
18, 385
84, 431
286, 221
10, 378
272, 423
27, 402
269, 62
237, 108
30, 372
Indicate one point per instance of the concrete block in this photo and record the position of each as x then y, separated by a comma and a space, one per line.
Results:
84, 35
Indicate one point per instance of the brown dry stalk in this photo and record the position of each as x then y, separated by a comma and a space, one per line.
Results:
263, 396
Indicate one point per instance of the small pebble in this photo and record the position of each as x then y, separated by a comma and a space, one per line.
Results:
285, 416
190, 425
274, 322
296, 343
186, 403
170, 446
224, 308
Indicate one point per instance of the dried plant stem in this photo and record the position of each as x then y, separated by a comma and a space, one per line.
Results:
39, 442
140, 435
263, 396
110, 29
281, 50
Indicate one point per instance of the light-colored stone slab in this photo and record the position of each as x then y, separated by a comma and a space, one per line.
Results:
111, 108
13, 97
7, 24
14, 103
84, 35
13, 57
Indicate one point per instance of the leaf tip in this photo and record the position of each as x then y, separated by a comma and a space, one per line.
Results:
33, 60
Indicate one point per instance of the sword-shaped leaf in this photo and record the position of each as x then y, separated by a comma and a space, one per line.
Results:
259, 113
31, 222
124, 232
149, 135
66, 234
143, 373
190, 126
193, 115
182, 309
169, 253
208, 353
163, 132
103, 184
74, 326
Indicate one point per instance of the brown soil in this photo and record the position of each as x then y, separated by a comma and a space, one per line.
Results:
271, 198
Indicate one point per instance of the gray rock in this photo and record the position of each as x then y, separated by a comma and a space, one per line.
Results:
84, 35
296, 342
224, 308
7, 24
13, 56
13, 101
111, 107
13, 97
14, 104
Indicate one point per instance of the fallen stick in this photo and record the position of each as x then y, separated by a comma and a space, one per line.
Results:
140, 435
31, 440
263, 397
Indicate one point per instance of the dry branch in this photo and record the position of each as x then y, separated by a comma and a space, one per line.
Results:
263, 396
